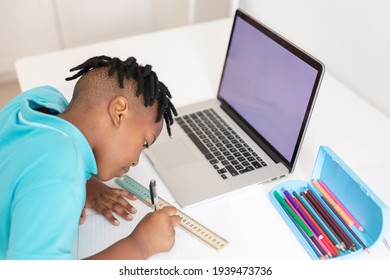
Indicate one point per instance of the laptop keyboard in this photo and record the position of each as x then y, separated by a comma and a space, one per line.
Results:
223, 148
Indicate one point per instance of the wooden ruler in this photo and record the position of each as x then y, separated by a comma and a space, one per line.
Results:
187, 223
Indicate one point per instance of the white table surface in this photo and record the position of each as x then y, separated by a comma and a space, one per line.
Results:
189, 61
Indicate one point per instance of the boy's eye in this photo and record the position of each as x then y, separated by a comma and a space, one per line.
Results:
146, 145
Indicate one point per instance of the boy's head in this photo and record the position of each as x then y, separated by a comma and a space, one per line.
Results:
120, 107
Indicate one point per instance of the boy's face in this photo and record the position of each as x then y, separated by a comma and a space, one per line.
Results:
136, 131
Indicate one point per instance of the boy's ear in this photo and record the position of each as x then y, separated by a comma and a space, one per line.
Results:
117, 109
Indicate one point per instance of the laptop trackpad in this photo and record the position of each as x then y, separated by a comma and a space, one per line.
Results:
174, 153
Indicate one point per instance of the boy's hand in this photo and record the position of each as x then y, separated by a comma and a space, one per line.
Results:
104, 200
156, 231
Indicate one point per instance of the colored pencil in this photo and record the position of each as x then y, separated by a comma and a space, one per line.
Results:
333, 203
302, 214
322, 224
338, 237
291, 213
356, 223
324, 249
284, 205
345, 238
327, 242
308, 240
349, 229
330, 222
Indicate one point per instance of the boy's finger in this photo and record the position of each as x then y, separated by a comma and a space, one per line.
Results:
125, 193
126, 205
170, 210
107, 213
124, 212
175, 220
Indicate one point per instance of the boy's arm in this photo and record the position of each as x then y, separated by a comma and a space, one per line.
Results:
106, 200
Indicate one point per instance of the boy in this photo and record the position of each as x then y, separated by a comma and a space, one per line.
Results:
52, 151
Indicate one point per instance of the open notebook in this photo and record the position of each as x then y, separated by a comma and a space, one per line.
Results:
97, 233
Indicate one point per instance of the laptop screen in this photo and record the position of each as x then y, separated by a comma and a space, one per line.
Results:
270, 84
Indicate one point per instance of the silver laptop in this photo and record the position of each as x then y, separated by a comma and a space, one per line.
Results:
253, 131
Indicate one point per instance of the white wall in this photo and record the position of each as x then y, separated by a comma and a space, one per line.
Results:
351, 37
33, 27
88, 21
26, 28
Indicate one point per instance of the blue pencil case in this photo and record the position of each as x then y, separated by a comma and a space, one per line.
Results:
349, 204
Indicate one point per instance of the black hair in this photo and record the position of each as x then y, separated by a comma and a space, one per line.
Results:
147, 82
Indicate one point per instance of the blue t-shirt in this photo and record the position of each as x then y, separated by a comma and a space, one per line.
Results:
45, 162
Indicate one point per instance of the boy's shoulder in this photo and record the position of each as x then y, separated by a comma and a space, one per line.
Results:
45, 94
40, 95
33, 134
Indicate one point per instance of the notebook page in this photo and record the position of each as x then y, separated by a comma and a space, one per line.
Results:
97, 233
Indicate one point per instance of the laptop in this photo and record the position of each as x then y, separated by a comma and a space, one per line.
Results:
253, 130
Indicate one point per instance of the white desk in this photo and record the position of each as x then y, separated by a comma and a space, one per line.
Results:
189, 60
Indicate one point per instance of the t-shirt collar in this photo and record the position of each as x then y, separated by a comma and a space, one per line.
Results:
57, 104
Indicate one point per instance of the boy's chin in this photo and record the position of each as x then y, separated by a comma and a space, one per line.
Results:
104, 178
111, 174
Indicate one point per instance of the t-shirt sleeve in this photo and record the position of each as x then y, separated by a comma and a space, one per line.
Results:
46, 208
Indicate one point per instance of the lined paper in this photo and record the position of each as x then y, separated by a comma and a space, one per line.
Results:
97, 233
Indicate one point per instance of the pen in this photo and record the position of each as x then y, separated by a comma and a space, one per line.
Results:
292, 213
297, 220
153, 194
303, 214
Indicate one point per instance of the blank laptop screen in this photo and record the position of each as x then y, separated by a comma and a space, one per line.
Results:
268, 86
